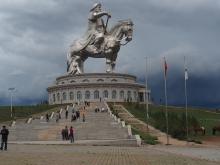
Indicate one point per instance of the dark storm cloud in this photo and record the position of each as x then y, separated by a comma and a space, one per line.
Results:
35, 35
201, 91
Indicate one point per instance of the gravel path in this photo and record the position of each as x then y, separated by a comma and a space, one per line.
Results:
93, 155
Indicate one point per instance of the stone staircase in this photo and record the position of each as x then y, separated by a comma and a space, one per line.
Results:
98, 129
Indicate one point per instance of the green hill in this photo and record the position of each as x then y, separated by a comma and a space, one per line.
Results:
199, 117
22, 111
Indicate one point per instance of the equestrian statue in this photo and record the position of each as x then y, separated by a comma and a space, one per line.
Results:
98, 41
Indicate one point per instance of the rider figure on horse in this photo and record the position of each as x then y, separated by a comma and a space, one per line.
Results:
96, 28
94, 36
97, 42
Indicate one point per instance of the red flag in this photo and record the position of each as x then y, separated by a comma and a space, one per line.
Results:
165, 67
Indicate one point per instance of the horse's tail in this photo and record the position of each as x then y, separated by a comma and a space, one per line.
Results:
69, 59
68, 66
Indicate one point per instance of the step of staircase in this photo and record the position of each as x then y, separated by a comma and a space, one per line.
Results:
108, 142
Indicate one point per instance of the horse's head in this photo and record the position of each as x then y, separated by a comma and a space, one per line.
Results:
127, 29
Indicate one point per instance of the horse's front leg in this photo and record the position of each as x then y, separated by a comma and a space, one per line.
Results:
80, 68
108, 65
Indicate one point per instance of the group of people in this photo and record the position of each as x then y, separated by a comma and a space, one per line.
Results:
81, 112
68, 134
97, 109
75, 115
87, 103
4, 133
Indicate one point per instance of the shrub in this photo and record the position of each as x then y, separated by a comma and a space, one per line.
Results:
177, 123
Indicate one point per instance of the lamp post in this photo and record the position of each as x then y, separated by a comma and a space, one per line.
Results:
146, 92
11, 90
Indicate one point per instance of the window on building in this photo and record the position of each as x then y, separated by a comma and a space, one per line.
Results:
100, 80
105, 94
114, 94
58, 96
135, 95
54, 98
64, 96
96, 94
122, 95
85, 80
114, 80
87, 95
129, 94
71, 96
79, 95
51, 100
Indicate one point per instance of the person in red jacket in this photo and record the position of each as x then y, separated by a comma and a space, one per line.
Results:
71, 134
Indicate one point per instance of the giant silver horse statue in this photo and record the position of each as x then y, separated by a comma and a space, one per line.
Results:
99, 42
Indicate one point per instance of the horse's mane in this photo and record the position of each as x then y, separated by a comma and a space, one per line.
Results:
120, 22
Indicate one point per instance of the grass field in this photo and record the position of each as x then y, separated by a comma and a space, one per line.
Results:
206, 118
22, 111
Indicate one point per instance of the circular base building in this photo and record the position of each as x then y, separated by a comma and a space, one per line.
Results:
93, 87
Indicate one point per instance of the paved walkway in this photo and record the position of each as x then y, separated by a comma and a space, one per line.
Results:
200, 152
93, 155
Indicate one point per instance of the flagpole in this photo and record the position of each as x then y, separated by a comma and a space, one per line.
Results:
165, 93
146, 86
186, 106
11, 90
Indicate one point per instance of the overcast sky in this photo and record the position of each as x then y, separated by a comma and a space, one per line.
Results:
35, 36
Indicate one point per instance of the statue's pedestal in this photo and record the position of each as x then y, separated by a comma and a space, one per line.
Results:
93, 87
